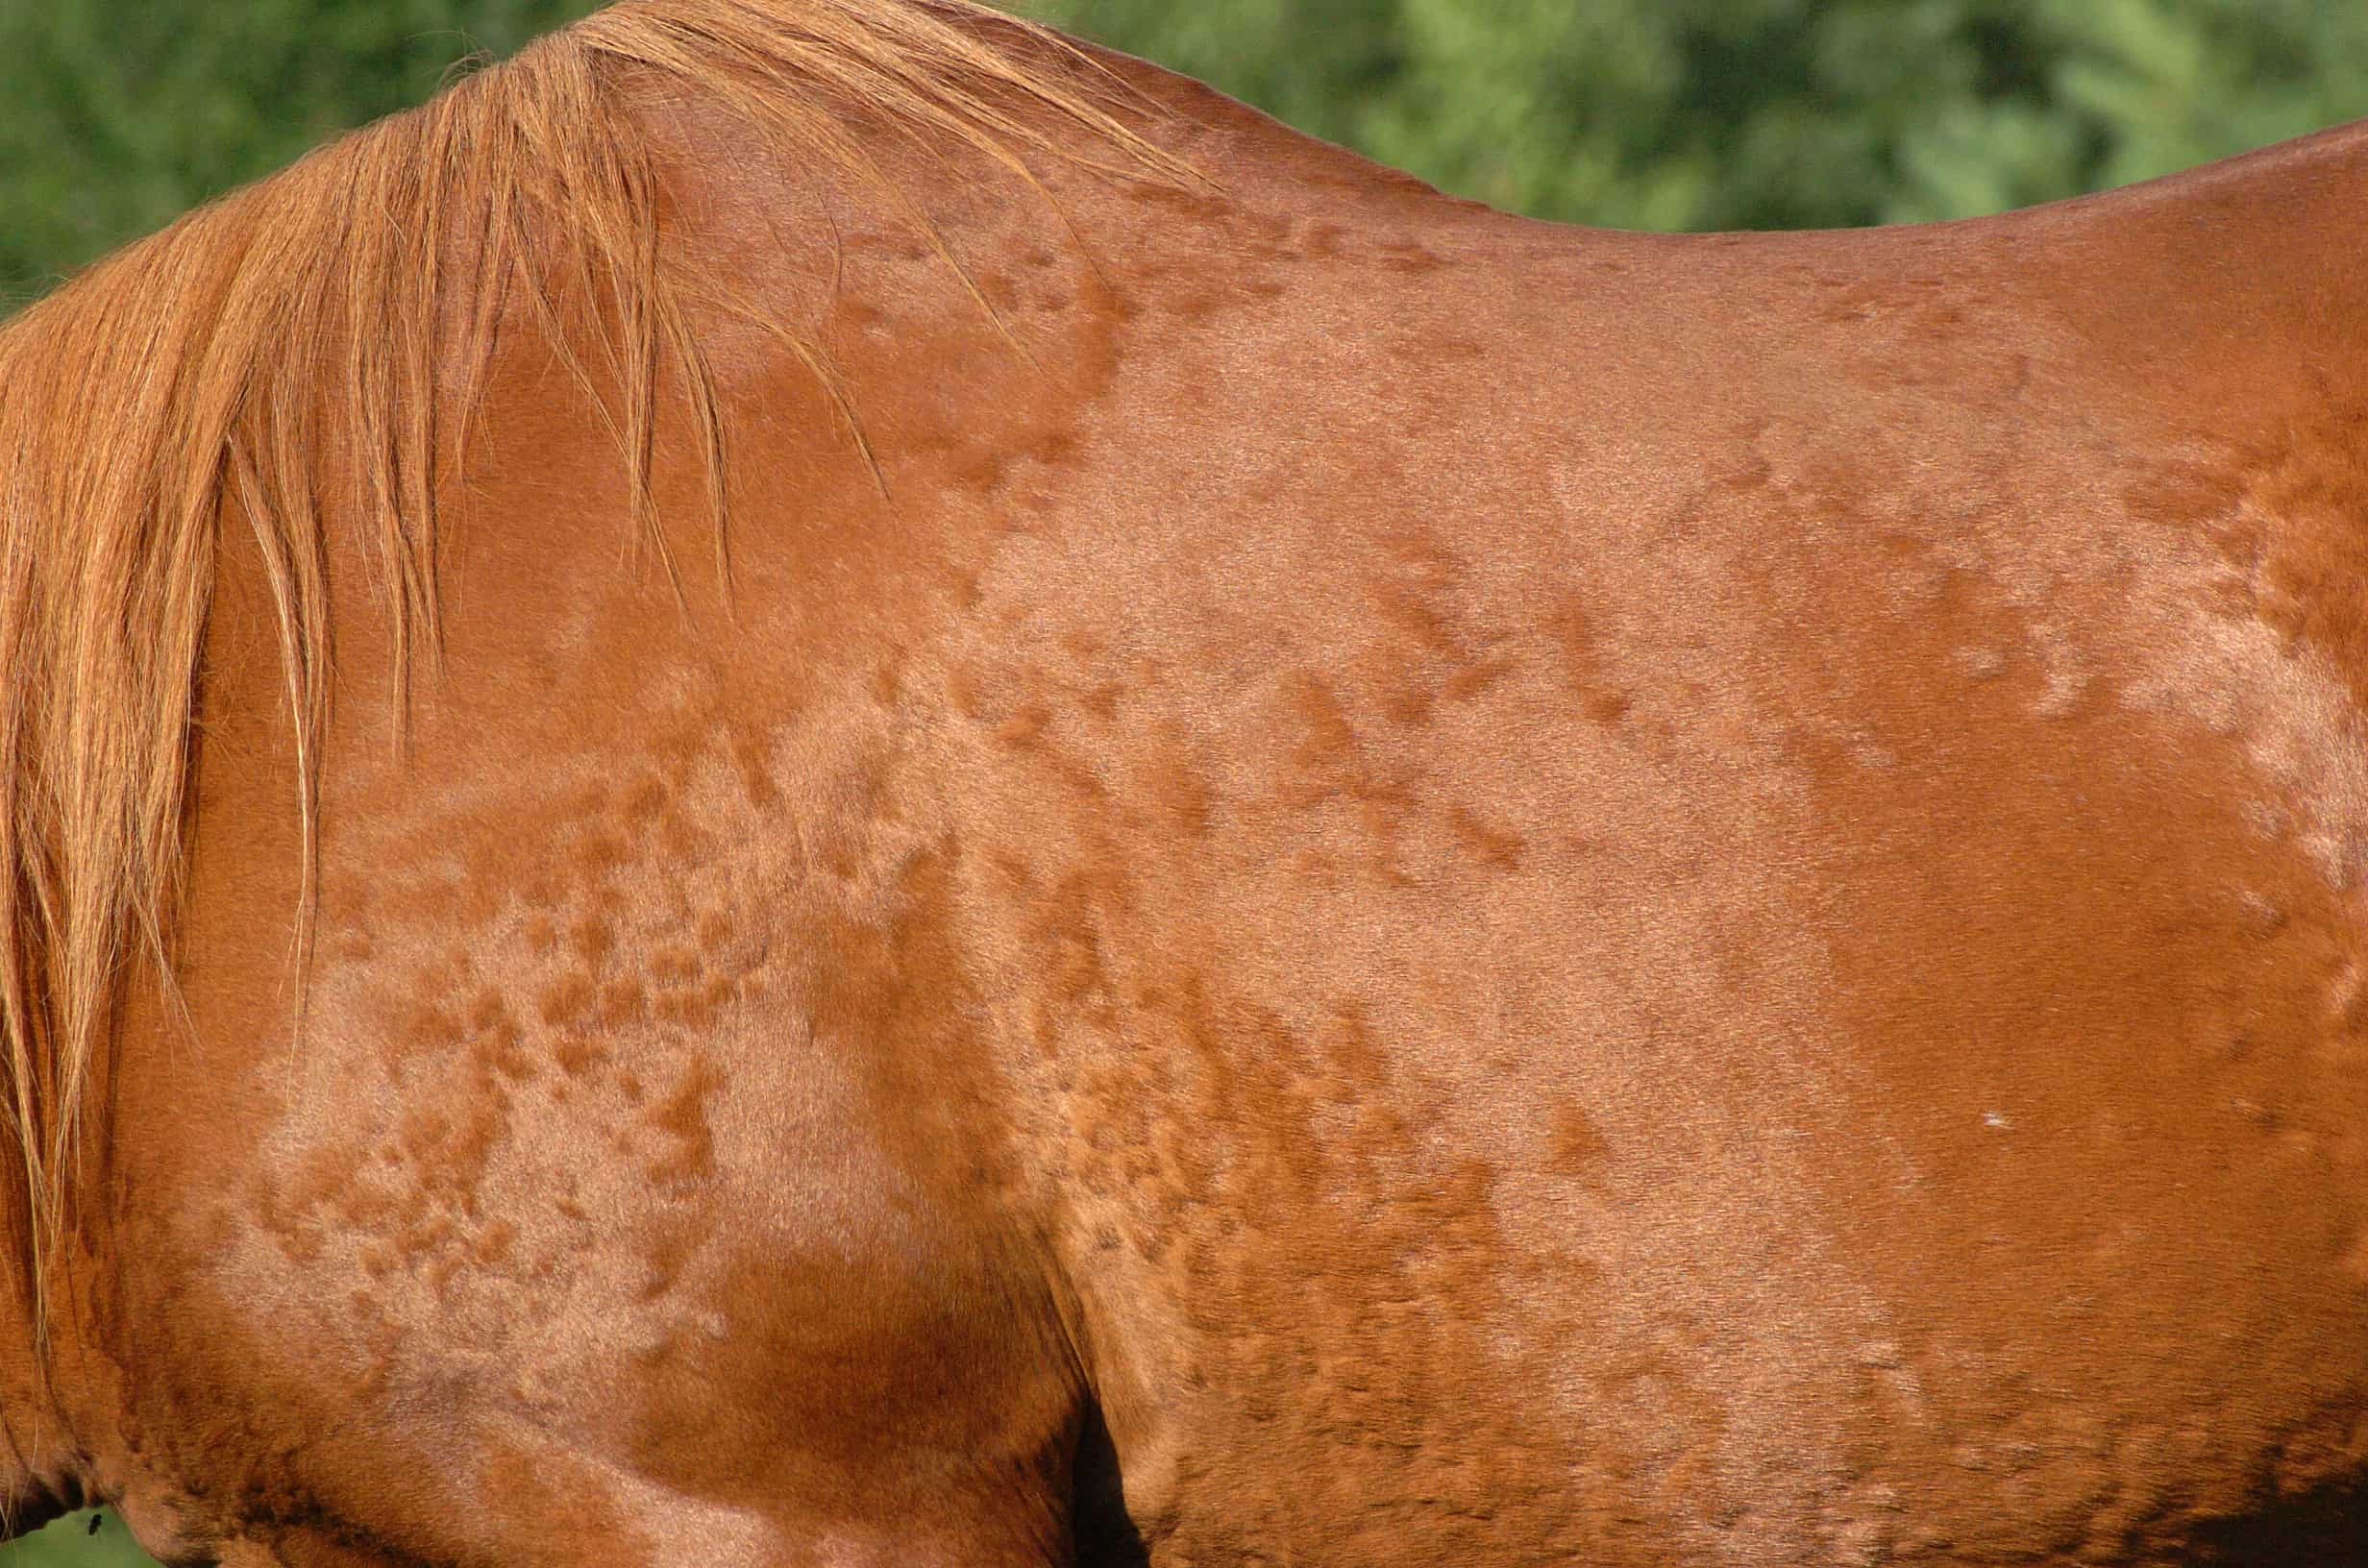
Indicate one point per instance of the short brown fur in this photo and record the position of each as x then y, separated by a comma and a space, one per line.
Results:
1330, 877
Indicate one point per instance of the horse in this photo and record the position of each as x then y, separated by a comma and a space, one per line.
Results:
823, 781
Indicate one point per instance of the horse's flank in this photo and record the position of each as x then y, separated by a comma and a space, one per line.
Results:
347, 309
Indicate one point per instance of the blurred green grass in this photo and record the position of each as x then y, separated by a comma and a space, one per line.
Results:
72, 1542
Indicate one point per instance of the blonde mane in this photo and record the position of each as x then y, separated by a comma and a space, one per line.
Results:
322, 310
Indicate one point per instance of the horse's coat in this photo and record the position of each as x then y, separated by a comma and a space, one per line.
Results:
1319, 876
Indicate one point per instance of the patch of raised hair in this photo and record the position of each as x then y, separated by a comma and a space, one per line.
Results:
347, 305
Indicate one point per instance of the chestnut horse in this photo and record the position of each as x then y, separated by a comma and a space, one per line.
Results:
820, 783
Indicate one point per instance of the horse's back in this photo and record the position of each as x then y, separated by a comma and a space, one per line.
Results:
1698, 896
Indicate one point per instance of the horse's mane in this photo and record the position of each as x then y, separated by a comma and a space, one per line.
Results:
201, 373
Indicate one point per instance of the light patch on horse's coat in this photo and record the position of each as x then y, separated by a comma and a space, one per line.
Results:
313, 347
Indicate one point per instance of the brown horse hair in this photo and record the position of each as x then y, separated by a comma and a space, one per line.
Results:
347, 305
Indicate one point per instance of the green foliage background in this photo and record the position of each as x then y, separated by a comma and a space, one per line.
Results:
117, 115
